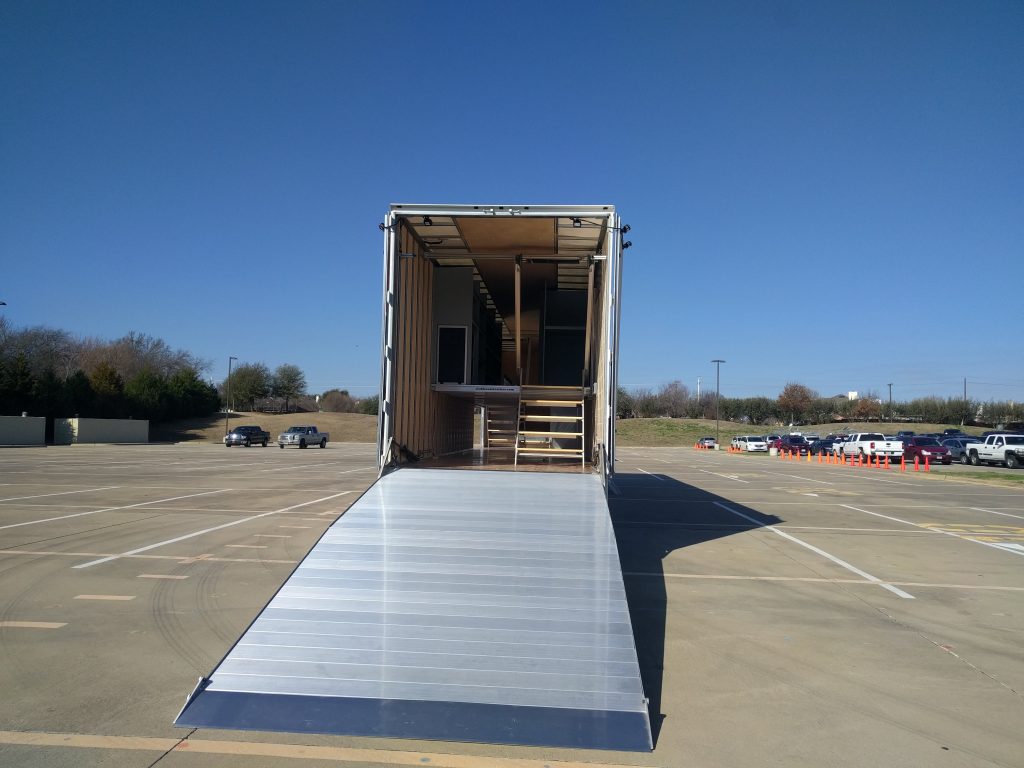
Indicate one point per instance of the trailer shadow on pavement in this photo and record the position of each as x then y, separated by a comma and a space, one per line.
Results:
653, 516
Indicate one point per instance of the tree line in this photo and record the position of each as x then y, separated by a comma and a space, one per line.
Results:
52, 373
799, 404
48, 372
250, 386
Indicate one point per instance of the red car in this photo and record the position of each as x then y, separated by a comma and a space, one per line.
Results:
926, 448
792, 444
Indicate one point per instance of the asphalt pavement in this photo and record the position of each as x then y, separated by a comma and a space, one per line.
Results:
785, 613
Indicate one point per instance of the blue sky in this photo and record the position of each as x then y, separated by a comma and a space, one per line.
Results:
823, 192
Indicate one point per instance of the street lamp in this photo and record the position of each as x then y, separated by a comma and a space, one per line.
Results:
890, 402
718, 368
227, 403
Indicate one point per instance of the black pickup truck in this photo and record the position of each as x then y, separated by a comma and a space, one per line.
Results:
246, 436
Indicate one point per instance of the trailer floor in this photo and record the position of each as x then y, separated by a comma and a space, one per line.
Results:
503, 460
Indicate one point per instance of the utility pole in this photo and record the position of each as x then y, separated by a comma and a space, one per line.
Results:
718, 368
698, 390
890, 401
963, 420
227, 403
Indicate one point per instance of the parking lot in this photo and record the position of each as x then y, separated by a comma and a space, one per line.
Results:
785, 614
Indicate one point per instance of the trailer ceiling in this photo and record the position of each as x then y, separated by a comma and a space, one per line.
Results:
456, 235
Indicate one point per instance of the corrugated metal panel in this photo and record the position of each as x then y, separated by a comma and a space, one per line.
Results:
457, 605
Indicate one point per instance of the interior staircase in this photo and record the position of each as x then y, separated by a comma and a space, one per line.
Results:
551, 424
502, 424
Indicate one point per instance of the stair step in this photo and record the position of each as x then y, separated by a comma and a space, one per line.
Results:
555, 403
551, 419
550, 451
550, 434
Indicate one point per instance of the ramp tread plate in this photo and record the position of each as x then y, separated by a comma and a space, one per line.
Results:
475, 606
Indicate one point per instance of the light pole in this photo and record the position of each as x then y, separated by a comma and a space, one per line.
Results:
718, 368
227, 404
890, 402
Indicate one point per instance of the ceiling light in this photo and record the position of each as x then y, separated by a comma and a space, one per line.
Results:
427, 221
576, 223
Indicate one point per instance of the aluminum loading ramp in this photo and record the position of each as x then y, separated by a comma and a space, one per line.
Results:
445, 604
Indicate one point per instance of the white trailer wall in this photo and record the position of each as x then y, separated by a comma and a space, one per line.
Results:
68, 431
22, 430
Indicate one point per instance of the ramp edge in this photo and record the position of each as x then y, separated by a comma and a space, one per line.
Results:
429, 720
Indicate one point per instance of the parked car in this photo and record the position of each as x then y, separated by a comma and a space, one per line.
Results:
707, 442
997, 449
923, 448
837, 444
869, 444
752, 444
904, 433
792, 444
303, 436
247, 435
770, 439
956, 446
822, 445
735, 442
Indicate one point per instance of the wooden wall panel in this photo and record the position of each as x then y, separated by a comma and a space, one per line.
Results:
424, 421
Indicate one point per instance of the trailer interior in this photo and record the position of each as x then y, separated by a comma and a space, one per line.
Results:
507, 315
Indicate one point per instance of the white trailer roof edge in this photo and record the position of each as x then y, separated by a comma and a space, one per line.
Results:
460, 209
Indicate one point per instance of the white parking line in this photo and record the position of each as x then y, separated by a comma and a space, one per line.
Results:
842, 563
104, 597
662, 479
797, 477
727, 477
110, 509
204, 531
993, 512
1012, 549
61, 493
297, 466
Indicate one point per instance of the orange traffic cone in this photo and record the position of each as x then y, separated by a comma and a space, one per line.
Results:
903, 464
887, 461
917, 463
927, 466
820, 460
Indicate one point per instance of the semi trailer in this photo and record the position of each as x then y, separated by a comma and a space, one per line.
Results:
474, 591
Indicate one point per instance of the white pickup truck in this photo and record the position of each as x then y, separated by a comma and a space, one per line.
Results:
870, 444
303, 436
997, 449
